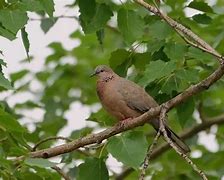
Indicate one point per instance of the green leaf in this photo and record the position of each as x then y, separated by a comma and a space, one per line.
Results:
6, 33
59, 52
48, 6
199, 55
13, 20
202, 18
5, 82
118, 57
155, 45
160, 30
185, 111
201, 6
170, 84
30, 5
156, 70
47, 23
94, 169
26, 42
27, 105
93, 16
120, 61
100, 35
141, 59
18, 75
180, 80
81, 132
3, 135
102, 118
189, 75
2, 62
9, 122
39, 162
175, 51
130, 148
52, 126
130, 24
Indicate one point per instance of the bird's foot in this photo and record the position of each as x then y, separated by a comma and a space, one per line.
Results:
123, 122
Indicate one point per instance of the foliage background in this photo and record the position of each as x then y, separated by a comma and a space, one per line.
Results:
124, 36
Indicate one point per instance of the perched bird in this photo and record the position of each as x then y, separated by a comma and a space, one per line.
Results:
124, 99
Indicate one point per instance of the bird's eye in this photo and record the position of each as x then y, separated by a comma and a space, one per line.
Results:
101, 70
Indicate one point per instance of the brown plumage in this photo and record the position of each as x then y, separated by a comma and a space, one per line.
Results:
124, 99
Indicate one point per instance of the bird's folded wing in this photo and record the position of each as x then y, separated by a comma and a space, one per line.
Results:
135, 96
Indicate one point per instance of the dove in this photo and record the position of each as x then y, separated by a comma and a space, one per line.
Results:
125, 100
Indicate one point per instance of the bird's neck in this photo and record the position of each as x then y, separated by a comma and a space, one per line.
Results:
107, 78
102, 83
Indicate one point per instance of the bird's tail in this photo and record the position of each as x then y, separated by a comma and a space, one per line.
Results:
172, 135
176, 140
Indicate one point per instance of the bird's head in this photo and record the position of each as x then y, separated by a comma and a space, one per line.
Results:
102, 71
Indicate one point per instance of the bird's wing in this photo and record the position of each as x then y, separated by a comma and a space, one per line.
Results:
135, 96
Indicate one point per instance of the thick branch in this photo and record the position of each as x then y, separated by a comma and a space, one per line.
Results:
97, 138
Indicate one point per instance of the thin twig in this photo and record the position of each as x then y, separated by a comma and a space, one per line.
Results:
49, 139
201, 44
60, 172
186, 134
148, 156
184, 156
200, 112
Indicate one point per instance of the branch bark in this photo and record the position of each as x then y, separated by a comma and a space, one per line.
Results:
194, 89
98, 138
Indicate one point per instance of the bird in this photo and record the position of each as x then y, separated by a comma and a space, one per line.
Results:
124, 100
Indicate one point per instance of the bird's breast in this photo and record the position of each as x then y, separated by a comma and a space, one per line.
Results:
100, 89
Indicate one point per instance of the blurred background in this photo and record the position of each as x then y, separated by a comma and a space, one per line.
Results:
54, 96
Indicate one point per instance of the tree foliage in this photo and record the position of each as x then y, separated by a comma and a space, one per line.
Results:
138, 45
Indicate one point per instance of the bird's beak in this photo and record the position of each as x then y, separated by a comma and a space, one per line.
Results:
93, 74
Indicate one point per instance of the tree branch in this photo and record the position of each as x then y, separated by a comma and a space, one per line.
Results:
60, 172
49, 139
182, 154
99, 137
182, 30
148, 156
188, 133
